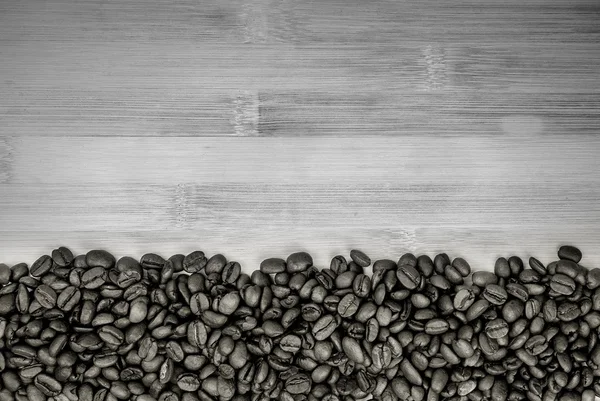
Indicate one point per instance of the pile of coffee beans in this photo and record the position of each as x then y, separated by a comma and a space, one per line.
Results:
189, 328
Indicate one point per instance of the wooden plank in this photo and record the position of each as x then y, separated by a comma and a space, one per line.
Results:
283, 68
306, 113
268, 21
479, 245
412, 160
65, 207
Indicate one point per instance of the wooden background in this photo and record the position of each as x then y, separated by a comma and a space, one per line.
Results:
258, 128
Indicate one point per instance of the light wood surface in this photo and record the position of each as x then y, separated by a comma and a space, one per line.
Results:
260, 128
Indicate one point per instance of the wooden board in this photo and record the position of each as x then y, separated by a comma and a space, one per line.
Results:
256, 129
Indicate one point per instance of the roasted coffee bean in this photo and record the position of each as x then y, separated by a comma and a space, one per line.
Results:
298, 384
563, 284
571, 253
495, 294
360, 258
62, 257
298, 262
496, 328
484, 278
100, 258
41, 266
46, 296
408, 275
48, 385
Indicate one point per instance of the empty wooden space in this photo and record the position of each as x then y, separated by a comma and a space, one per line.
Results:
259, 128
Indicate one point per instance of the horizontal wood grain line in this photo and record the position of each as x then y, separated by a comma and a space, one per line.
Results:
526, 158
298, 113
479, 245
268, 21
65, 207
50, 70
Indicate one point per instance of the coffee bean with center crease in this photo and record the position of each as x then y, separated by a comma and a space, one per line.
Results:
348, 305
324, 327
360, 258
45, 295
408, 276
195, 262
563, 284
62, 256
41, 266
298, 384
495, 294
68, 298
94, 277
48, 385
496, 328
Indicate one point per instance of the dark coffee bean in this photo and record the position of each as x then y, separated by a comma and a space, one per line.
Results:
231, 272
338, 264
46, 296
477, 309
5, 274
100, 258
484, 278
68, 298
361, 285
537, 266
453, 275
298, 262
360, 258
348, 305
593, 279
436, 326
495, 294
324, 327
94, 277
62, 256
496, 328
568, 311
48, 385
567, 252
298, 384
22, 299
41, 266
408, 276
513, 310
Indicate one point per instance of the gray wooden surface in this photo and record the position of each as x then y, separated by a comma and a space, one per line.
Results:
259, 128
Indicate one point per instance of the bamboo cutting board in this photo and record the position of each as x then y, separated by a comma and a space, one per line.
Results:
259, 128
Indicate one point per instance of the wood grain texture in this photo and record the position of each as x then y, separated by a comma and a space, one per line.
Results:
286, 68
260, 128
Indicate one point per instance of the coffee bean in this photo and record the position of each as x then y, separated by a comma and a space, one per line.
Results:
348, 305
324, 327
408, 276
298, 262
496, 328
62, 257
45, 295
495, 294
41, 266
100, 258
298, 384
568, 252
47, 385
360, 258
